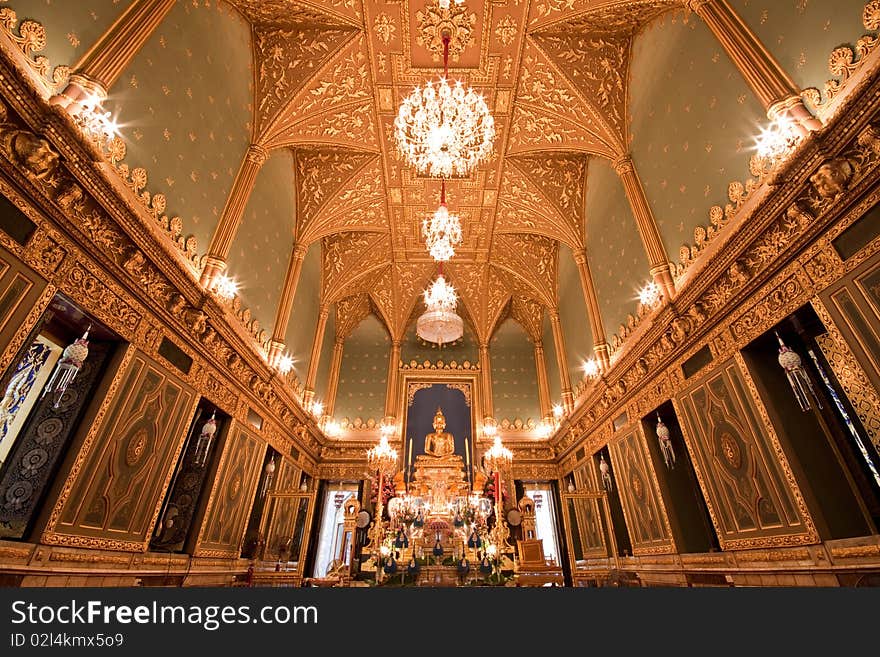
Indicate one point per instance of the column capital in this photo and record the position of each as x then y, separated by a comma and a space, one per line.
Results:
580, 256
395, 344
324, 311
257, 154
696, 5
300, 250
623, 164
339, 342
554, 314
539, 344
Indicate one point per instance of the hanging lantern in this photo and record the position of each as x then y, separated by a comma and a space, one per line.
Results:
203, 444
665, 443
268, 476
72, 359
798, 378
605, 471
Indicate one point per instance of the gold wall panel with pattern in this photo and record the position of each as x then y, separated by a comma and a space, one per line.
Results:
20, 290
232, 495
115, 496
646, 518
752, 496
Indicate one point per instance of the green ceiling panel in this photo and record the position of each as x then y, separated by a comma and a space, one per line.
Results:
261, 250
363, 376
72, 26
185, 106
617, 257
801, 34
693, 126
304, 315
573, 316
514, 376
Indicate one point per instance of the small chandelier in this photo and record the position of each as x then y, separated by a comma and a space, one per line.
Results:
382, 457
442, 230
498, 458
440, 323
443, 129
444, 4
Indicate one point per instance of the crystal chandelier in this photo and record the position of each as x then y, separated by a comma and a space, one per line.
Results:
444, 129
440, 323
444, 4
442, 230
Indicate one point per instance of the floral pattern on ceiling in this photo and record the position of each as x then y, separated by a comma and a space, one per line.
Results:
262, 246
186, 105
693, 123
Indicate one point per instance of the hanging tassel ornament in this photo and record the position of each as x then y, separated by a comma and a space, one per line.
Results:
798, 378
605, 471
203, 444
72, 359
665, 443
269, 475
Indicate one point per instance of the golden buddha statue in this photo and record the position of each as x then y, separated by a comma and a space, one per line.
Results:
440, 443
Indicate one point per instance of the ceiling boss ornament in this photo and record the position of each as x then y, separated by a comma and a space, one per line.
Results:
444, 129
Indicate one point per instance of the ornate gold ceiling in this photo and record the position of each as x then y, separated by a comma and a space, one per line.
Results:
329, 79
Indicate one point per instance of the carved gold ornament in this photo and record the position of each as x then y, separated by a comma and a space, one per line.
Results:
454, 21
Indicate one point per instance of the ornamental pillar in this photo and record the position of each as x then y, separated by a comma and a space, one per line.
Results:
565, 379
100, 67
543, 383
772, 86
647, 226
600, 343
285, 301
230, 218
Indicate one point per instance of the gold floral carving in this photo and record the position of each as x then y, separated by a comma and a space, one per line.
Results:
452, 365
347, 256
505, 30
530, 315
562, 178
286, 58
856, 385
350, 126
382, 297
350, 312
434, 22
533, 259
845, 62
321, 174
409, 281
413, 388
855, 551
30, 38
463, 388
384, 28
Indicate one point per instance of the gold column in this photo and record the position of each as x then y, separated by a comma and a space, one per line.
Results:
309, 392
285, 302
600, 343
645, 222
486, 376
772, 86
335, 366
543, 384
393, 369
559, 342
230, 219
100, 67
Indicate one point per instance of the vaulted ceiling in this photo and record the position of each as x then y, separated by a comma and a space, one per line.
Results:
572, 85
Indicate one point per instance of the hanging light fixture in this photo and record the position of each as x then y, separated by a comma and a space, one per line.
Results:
71, 362
665, 443
797, 376
605, 472
444, 129
440, 323
203, 444
442, 230
444, 4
